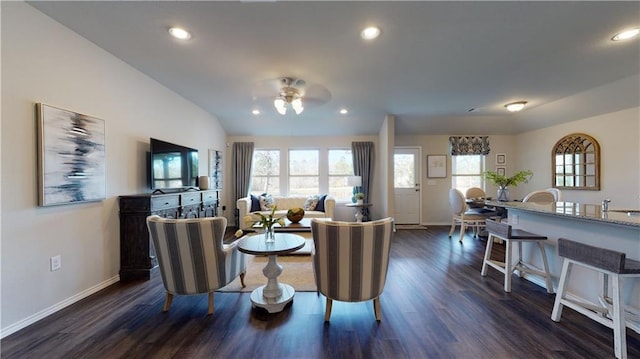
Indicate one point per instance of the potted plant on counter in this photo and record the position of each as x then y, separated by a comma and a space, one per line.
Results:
503, 182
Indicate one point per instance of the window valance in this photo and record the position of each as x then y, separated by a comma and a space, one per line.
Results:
469, 145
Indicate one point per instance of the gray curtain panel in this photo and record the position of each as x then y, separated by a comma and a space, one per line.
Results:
363, 159
242, 158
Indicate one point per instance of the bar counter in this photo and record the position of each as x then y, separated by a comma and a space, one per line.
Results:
587, 223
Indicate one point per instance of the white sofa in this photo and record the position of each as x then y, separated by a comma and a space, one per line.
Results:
284, 204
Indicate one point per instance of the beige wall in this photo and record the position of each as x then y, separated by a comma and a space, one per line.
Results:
43, 61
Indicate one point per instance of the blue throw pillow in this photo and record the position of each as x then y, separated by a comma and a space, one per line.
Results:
255, 204
320, 205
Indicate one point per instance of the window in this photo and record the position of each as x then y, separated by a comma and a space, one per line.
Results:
340, 167
304, 172
466, 172
265, 177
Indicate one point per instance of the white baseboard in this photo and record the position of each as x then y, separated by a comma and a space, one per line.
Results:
56, 307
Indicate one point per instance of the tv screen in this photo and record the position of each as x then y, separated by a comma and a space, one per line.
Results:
172, 166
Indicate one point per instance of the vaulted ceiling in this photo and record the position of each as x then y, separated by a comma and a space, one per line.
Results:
432, 64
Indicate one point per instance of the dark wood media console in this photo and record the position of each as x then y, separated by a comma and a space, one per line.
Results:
137, 256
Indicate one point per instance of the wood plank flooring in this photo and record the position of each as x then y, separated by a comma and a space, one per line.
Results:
435, 305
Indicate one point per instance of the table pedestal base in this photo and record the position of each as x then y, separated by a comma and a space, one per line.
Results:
272, 305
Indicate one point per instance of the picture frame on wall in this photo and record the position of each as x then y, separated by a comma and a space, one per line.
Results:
215, 169
71, 157
436, 166
501, 158
502, 171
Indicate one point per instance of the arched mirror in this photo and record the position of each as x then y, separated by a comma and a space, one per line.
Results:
576, 163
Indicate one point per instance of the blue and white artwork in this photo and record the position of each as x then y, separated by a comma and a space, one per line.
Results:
72, 157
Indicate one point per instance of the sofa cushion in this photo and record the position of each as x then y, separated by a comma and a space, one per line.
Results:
320, 206
311, 203
255, 203
266, 202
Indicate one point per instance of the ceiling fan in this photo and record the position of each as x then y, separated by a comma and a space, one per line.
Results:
292, 93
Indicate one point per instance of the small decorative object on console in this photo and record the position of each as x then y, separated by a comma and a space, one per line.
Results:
295, 215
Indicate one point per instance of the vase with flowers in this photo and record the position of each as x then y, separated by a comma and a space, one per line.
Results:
267, 223
503, 182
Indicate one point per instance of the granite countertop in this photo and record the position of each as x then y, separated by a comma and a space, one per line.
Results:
591, 212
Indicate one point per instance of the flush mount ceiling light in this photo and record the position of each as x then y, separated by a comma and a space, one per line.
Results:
344, 111
255, 112
179, 33
288, 95
516, 106
626, 35
370, 33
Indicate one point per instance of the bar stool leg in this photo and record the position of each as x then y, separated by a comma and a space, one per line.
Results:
562, 290
545, 263
619, 323
508, 266
487, 255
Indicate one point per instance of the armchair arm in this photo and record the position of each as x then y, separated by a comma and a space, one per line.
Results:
244, 206
234, 261
329, 206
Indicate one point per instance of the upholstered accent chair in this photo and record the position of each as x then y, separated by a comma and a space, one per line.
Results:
467, 218
192, 257
350, 260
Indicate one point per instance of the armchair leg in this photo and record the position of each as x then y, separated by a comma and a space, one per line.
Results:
327, 310
242, 279
210, 303
167, 302
376, 308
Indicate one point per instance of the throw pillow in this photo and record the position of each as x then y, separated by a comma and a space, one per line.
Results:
320, 206
266, 202
255, 203
311, 203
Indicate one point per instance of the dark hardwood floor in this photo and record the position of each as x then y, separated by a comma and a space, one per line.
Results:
435, 305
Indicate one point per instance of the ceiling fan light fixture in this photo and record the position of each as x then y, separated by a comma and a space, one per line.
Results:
297, 106
279, 104
515, 106
626, 35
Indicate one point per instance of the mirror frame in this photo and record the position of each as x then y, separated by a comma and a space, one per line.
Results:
585, 162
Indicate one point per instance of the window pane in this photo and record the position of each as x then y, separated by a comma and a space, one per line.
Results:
303, 162
303, 185
404, 171
265, 175
340, 167
466, 172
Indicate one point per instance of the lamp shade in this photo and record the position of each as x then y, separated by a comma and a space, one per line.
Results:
354, 181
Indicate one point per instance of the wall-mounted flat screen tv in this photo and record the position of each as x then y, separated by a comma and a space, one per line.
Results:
172, 166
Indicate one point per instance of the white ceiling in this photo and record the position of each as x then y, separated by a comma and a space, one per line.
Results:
432, 63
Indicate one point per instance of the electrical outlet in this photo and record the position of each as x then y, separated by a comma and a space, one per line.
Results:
515, 219
55, 262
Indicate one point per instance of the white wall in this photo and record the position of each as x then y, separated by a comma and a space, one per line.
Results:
42, 61
285, 143
617, 134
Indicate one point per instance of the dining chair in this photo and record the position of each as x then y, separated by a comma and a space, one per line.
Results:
475, 192
556, 193
350, 260
466, 217
542, 196
192, 257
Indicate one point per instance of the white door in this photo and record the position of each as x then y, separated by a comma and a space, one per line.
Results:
406, 183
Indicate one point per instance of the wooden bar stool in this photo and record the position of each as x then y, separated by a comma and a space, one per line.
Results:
608, 263
505, 232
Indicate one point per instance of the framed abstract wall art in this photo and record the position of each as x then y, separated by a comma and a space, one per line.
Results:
436, 166
215, 169
71, 157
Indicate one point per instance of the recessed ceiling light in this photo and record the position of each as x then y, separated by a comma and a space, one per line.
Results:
179, 33
515, 106
255, 112
626, 35
370, 33
344, 111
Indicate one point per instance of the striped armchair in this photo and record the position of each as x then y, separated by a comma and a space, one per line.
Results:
192, 258
350, 260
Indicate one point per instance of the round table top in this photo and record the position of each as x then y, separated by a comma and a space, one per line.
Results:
284, 243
